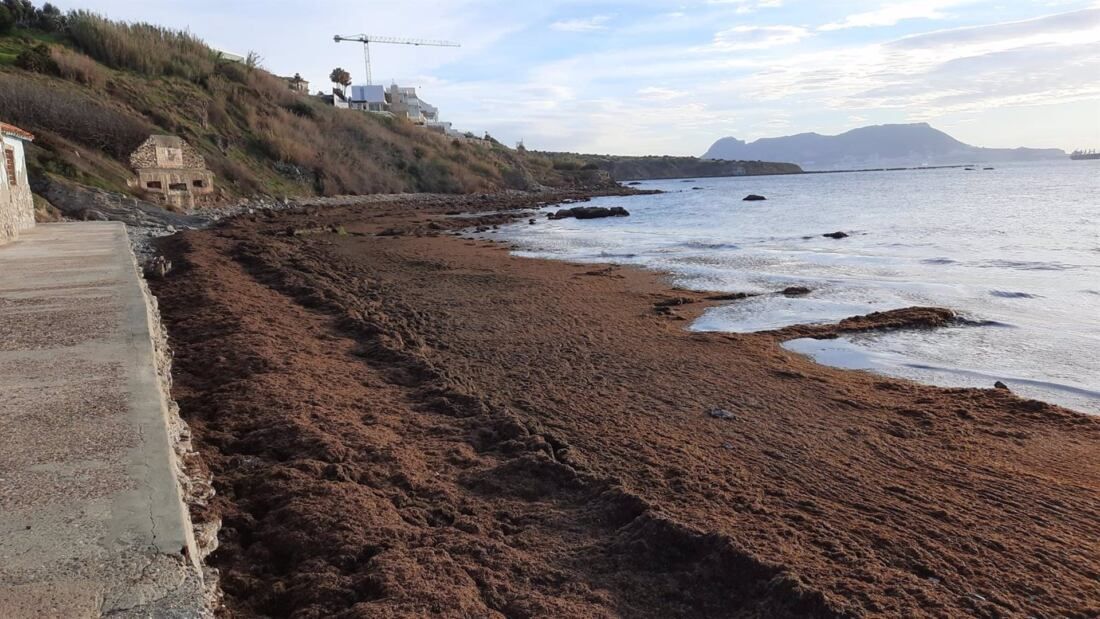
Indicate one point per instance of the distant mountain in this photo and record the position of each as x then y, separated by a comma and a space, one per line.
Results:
872, 147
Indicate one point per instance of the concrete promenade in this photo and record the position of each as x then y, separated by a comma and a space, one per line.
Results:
91, 517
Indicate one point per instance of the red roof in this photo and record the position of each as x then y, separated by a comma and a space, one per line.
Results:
15, 132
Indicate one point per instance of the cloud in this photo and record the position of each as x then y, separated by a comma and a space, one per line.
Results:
748, 6
587, 24
1045, 60
659, 94
893, 13
758, 37
622, 100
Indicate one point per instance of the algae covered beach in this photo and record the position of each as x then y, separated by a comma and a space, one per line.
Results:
728, 309
402, 421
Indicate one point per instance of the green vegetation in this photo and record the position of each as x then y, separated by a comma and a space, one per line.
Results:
340, 76
92, 89
7, 21
625, 168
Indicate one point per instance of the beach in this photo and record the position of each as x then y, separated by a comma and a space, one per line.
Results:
401, 421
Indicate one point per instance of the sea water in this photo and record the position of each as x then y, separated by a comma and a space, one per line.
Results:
1014, 249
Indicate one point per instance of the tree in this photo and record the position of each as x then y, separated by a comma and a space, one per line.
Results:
252, 61
22, 11
49, 18
340, 76
7, 20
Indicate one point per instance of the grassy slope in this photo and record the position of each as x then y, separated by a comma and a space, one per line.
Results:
256, 135
627, 168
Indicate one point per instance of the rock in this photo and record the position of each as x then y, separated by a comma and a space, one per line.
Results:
90, 214
795, 291
732, 296
531, 221
836, 235
696, 188
1000, 385
752, 197
674, 301
721, 413
158, 267
634, 183
590, 212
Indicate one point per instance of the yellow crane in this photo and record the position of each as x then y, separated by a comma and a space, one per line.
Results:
367, 39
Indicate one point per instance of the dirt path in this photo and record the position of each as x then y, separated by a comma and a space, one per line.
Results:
415, 424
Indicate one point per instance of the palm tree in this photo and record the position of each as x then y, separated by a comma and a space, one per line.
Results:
340, 76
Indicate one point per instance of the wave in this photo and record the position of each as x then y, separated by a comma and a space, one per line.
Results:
706, 245
1008, 294
1025, 265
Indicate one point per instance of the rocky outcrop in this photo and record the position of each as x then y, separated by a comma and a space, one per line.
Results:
836, 235
752, 197
623, 168
589, 212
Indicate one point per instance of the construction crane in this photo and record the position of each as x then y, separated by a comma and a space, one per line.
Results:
367, 39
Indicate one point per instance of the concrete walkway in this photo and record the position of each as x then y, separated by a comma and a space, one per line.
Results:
91, 519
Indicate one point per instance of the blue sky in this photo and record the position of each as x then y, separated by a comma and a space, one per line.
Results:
671, 77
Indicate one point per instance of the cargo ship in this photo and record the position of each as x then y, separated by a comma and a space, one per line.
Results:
1078, 155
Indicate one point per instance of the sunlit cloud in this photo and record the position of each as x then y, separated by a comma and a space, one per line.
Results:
893, 13
587, 24
758, 37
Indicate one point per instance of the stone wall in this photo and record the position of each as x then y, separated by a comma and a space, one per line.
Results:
166, 151
16, 201
172, 169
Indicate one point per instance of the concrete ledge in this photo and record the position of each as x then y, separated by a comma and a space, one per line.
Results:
91, 516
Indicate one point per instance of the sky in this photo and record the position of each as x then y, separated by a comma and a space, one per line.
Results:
656, 77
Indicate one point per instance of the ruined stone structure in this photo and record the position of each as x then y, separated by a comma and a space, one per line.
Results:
170, 168
16, 200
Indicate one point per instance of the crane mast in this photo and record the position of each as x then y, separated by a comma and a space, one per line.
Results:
367, 39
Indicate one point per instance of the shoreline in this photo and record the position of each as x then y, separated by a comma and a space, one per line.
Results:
414, 423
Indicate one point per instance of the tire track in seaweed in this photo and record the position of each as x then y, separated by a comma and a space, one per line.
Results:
703, 574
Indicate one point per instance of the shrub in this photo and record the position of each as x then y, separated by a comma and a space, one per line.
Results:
37, 59
569, 166
77, 67
144, 48
299, 108
40, 106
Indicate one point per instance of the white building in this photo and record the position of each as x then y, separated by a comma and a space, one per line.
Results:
336, 99
405, 104
399, 101
369, 98
16, 200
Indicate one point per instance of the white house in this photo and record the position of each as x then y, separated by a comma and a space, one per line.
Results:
368, 98
16, 201
405, 104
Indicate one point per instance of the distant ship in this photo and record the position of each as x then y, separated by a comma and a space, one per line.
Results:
1078, 155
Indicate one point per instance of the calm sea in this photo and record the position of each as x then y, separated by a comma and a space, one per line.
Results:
1017, 248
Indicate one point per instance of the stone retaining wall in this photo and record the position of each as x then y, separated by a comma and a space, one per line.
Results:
16, 201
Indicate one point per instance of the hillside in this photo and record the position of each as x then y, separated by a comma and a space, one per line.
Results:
877, 146
624, 168
92, 90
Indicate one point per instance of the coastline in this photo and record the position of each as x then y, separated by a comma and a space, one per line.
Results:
399, 421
